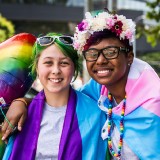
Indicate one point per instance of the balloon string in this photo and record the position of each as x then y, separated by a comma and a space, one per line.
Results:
6, 118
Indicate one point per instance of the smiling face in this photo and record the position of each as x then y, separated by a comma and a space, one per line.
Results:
110, 72
55, 70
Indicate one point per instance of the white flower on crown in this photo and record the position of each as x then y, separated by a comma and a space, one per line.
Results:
124, 28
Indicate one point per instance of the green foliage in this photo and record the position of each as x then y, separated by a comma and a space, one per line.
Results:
6, 29
152, 33
155, 10
153, 59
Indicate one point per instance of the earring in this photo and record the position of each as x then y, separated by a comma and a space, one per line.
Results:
129, 64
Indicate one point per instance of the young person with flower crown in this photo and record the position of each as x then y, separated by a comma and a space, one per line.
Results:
127, 89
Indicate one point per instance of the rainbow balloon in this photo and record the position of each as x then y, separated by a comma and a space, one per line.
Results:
15, 80
15, 59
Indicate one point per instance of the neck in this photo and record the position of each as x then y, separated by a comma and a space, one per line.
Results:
118, 90
57, 99
118, 96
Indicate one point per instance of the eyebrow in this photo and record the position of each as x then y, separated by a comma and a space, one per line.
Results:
58, 57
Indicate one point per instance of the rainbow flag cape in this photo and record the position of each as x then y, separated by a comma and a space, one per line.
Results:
81, 134
142, 114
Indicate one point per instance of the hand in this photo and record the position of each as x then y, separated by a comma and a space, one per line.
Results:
16, 116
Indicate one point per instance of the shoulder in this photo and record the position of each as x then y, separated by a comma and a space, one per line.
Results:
84, 97
87, 110
39, 96
85, 102
37, 100
92, 89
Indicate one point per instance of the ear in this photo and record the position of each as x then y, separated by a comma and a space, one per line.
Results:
130, 57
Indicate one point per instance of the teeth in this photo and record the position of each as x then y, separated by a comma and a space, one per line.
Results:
105, 71
56, 80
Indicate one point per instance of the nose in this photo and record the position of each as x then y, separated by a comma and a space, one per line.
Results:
56, 69
101, 59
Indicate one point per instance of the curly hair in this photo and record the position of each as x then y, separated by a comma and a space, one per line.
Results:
98, 36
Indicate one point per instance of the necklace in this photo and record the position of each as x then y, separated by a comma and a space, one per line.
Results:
121, 126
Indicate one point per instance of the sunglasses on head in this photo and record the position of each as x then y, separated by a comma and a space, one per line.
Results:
48, 40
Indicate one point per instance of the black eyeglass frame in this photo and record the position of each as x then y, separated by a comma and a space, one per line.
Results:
123, 49
53, 38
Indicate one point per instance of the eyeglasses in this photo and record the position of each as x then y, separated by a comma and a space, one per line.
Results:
48, 40
110, 52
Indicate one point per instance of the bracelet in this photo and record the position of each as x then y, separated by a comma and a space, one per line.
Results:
22, 100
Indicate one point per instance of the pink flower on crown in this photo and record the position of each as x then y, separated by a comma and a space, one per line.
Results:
110, 22
76, 45
129, 34
83, 25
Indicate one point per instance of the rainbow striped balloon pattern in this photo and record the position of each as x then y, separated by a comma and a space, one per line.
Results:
15, 80
15, 59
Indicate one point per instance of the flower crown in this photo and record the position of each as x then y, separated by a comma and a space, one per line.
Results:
124, 28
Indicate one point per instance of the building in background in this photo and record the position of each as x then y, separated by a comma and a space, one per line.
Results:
43, 16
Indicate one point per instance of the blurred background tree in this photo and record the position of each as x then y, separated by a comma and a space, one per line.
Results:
153, 58
6, 28
152, 32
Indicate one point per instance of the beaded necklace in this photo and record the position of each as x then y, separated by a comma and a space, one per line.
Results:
121, 126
